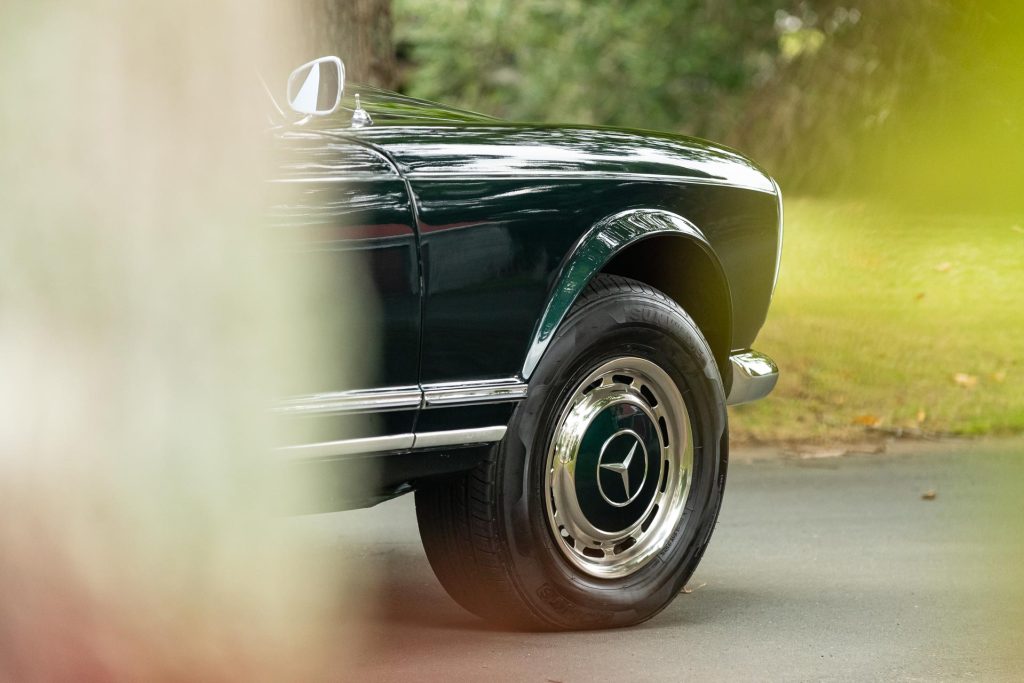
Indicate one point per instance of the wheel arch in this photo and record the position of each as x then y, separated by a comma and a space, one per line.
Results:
660, 249
688, 273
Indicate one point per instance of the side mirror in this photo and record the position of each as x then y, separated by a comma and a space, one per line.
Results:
315, 88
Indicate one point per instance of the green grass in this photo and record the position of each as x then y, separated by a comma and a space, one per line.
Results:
875, 313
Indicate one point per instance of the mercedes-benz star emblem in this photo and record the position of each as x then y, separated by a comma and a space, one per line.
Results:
623, 467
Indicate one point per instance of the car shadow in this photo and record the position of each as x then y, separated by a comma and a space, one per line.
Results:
408, 626
406, 596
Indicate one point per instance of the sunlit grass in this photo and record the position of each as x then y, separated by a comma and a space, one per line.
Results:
890, 319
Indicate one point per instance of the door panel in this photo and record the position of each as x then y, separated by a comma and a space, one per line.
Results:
350, 216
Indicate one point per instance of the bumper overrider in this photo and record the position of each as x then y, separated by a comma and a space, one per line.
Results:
754, 375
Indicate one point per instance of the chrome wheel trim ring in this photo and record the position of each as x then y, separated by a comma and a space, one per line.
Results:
637, 387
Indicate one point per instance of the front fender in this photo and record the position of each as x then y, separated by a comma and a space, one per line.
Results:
592, 253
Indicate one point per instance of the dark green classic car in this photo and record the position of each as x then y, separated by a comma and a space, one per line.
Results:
565, 313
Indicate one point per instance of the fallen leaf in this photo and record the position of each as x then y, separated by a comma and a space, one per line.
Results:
965, 380
921, 416
944, 267
687, 590
867, 420
918, 296
930, 494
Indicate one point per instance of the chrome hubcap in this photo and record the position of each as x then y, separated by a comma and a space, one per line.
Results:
619, 468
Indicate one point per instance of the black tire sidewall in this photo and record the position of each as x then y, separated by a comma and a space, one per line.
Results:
627, 323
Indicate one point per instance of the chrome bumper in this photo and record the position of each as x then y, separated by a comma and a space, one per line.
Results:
753, 377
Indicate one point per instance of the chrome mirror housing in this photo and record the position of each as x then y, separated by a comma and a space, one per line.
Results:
316, 87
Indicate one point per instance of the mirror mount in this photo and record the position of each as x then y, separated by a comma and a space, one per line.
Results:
360, 117
316, 87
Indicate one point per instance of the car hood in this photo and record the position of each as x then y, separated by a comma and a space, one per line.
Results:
429, 139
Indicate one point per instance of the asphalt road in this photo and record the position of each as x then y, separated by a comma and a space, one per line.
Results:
820, 569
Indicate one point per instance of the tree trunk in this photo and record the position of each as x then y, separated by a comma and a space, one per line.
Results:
358, 31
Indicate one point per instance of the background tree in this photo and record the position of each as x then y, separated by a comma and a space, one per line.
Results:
848, 78
358, 31
662, 64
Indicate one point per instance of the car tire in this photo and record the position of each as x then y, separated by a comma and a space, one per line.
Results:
560, 527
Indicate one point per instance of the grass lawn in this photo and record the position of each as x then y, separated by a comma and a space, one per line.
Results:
886, 319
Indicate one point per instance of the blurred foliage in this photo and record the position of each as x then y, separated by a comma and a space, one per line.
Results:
918, 100
663, 64
828, 94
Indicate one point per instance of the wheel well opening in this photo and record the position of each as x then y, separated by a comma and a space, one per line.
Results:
681, 269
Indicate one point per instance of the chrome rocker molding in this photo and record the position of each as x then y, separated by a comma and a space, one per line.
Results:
754, 375
460, 437
333, 449
440, 395
360, 401
398, 442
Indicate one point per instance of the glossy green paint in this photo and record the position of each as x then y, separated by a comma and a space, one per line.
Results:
511, 221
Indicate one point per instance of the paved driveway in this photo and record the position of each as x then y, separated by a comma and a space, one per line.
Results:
826, 568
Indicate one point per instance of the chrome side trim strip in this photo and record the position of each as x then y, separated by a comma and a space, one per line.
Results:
485, 391
359, 401
459, 437
330, 449
398, 442
405, 397
520, 174
754, 375
341, 178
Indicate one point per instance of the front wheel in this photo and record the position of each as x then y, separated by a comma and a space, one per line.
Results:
597, 506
